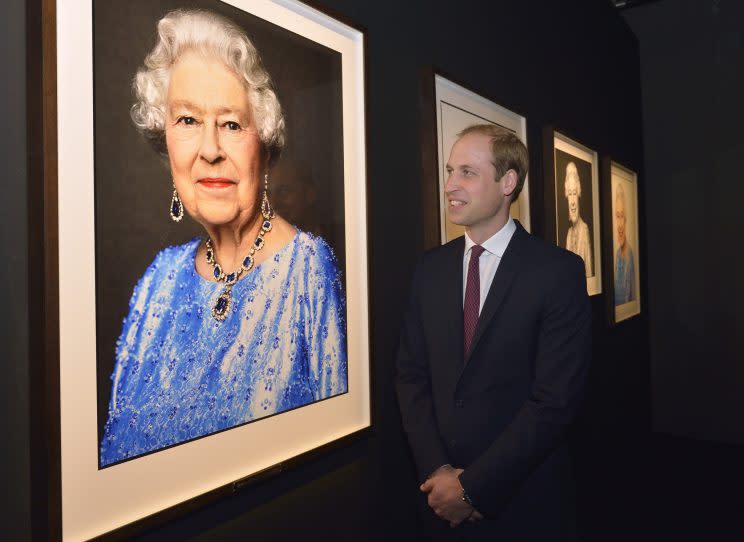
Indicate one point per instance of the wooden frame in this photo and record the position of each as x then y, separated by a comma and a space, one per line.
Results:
43, 288
558, 152
623, 274
77, 500
446, 108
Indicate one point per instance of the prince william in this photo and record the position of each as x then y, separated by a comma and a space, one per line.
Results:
493, 359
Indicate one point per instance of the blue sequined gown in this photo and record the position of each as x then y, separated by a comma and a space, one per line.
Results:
624, 277
180, 374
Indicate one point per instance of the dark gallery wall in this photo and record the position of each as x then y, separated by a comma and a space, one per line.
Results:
569, 64
572, 65
692, 74
15, 509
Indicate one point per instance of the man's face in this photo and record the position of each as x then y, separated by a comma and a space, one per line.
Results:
572, 195
620, 221
474, 195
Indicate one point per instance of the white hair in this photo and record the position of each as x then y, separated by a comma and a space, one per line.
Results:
620, 195
210, 34
572, 173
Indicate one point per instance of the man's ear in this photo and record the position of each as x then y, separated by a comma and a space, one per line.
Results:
509, 182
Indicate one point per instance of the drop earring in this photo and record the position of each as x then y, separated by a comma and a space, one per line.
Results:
266, 210
176, 207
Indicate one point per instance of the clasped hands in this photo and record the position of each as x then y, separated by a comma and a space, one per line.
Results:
445, 496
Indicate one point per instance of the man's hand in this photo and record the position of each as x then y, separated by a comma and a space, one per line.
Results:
445, 496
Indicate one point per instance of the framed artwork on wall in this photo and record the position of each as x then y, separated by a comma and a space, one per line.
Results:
180, 376
454, 108
573, 212
624, 280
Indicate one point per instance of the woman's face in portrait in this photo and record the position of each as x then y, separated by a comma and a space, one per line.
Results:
572, 195
213, 145
620, 221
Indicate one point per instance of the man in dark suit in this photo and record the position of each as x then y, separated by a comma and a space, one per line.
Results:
494, 356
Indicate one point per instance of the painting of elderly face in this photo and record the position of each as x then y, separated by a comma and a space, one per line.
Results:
575, 220
213, 145
620, 221
236, 312
626, 273
573, 192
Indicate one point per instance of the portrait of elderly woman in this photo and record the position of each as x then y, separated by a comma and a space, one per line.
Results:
624, 262
576, 211
247, 319
626, 271
578, 238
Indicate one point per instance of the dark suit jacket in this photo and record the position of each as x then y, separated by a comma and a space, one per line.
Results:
502, 415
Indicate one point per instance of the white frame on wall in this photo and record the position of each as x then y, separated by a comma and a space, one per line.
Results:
96, 501
621, 174
458, 108
574, 148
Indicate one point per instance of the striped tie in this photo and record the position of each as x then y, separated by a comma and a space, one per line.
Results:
471, 308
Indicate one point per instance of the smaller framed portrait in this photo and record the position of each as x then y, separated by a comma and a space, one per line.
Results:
625, 276
573, 216
457, 108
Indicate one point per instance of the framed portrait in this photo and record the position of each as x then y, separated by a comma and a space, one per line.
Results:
455, 109
624, 280
212, 283
573, 211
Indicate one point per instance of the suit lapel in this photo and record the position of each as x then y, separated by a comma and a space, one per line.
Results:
510, 264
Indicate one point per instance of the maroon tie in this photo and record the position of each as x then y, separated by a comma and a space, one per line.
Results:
471, 308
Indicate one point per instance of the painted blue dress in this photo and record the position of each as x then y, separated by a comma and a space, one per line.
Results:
624, 277
180, 374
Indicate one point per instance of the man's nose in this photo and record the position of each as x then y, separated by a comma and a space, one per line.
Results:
451, 183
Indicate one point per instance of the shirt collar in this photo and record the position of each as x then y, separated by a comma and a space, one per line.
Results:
497, 243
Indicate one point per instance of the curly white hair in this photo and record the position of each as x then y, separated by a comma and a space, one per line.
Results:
208, 33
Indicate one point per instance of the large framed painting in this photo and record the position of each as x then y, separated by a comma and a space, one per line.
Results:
573, 212
624, 280
454, 108
212, 248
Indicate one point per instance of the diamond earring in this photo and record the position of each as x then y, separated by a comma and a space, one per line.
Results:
176, 207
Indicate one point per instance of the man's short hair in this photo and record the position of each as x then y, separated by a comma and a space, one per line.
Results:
507, 152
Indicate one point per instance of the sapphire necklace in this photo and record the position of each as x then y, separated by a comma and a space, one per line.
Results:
224, 302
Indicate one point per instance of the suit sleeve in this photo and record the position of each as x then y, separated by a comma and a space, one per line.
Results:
562, 361
413, 385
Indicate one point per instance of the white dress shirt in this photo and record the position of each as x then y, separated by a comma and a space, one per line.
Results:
490, 259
